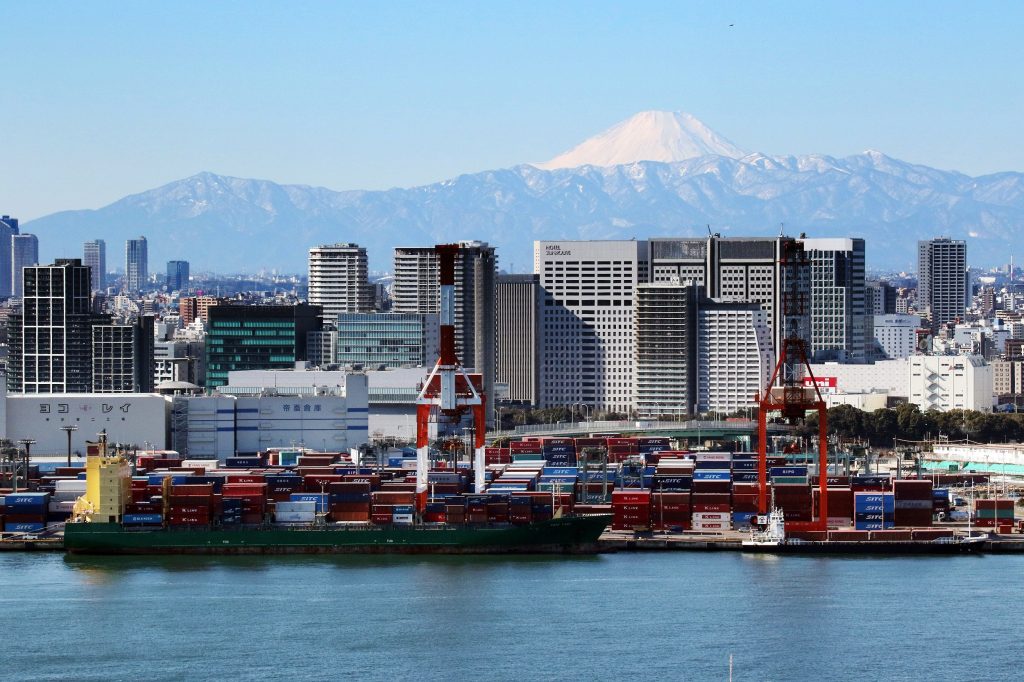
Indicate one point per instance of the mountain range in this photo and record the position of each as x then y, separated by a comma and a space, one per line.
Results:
656, 174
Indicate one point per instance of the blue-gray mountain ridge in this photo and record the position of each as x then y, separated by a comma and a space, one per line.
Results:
227, 224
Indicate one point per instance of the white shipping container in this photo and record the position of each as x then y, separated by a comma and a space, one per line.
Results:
405, 519
713, 456
710, 516
208, 464
70, 486
711, 525
295, 517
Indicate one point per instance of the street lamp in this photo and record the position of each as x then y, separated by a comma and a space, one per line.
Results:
68, 429
27, 444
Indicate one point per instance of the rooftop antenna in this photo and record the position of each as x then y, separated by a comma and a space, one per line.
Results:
782, 228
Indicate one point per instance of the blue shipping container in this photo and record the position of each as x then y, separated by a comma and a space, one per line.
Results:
142, 519
23, 527
788, 471
711, 475
27, 501
322, 499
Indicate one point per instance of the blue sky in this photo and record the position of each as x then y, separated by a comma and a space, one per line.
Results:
105, 99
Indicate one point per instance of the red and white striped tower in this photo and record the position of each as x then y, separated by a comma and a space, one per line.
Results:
449, 388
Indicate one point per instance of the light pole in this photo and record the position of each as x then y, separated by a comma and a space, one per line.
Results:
69, 429
27, 444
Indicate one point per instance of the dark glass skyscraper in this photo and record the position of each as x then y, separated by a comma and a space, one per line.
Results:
177, 275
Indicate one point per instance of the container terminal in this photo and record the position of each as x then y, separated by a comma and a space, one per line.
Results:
534, 494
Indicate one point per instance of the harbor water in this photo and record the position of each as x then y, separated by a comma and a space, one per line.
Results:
676, 616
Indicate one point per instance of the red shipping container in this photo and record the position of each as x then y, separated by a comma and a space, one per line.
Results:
702, 508
631, 496
244, 478
244, 490
192, 490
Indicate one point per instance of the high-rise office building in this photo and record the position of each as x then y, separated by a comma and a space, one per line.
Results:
416, 290
770, 271
517, 303
95, 256
586, 321
177, 275
136, 264
51, 337
665, 346
942, 279
8, 229
840, 327
24, 252
256, 337
338, 280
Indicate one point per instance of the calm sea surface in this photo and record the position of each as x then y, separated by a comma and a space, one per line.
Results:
672, 616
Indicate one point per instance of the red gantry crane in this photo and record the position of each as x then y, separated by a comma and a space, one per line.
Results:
449, 390
787, 393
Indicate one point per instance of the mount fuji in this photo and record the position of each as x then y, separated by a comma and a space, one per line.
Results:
655, 174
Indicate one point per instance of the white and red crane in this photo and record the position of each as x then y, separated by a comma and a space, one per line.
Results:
449, 390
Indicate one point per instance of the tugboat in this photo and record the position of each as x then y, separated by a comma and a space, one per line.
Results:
769, 537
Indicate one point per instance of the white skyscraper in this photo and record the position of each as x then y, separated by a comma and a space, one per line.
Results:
735, 358
338, 280
942, 279
586, 321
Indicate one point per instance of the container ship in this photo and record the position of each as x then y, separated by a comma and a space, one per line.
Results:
245, 510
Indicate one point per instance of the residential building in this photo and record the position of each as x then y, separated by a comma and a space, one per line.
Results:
586, 322
517, 308
50, 337
416, 290
665, 349
735, 358
177, 275
256, 337
95, 256
1008, 378
839, 323
136, 265
338, 280
896, 335
123, 357
24, 253
942, 280
192, 308
951, 382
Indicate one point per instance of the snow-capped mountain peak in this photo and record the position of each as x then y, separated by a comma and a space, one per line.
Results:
665, 136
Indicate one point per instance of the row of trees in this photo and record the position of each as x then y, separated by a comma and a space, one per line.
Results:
908, 422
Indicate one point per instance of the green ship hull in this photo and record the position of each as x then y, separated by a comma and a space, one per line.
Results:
570, 535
